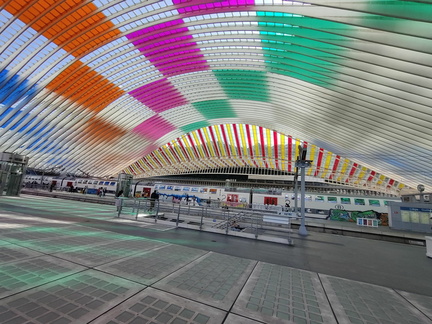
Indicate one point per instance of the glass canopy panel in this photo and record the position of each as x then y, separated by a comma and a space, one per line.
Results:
244, 145
360, 64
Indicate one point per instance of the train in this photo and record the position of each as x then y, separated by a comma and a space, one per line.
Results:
316, 202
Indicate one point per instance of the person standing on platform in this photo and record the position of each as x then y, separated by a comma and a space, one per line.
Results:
153, 197
118, 201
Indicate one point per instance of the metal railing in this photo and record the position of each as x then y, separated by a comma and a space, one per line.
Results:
211, 217
255, 223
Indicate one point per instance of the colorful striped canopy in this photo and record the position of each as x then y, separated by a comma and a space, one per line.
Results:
171, 87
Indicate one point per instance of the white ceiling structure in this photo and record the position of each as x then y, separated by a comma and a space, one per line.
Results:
181, 86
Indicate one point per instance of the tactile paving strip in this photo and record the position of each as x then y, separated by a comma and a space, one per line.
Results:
76, 299
357, 302
278, 294
20, 275
151, 266
10, 252
214, 279
423, 303
152, 306
96, 255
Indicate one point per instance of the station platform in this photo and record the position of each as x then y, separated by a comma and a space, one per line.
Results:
313, 223
69, 261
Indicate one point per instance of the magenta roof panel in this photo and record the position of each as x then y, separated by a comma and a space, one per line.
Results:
154, 128
161, 36
169, 48
179, 39
205, 7
185, 69
148, 88
172, 48
201, 63
155, 29
173, 57
159, 95
179, 60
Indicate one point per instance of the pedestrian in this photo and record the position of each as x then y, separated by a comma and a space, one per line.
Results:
153, 197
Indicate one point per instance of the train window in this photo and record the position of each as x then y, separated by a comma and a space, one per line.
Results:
332, 199
194, 189
213, 191
79, 181
308, 197
101, 182
84, 181
162, 187
95, 182
106, 183
359, 201
169, 187
186, 188
346, 201
426, 198
387, 202
319, 198
374, 202
112, 183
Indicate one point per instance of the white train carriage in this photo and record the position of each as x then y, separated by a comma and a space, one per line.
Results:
315, 202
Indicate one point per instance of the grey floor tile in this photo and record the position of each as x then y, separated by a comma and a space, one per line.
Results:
8, 227
153, 306
11, 252
153, 265
162, 227
357, 302
63, 243
423, 303
25, 274
97, 255
214, 279
79, 298
278, 294
30, 234
237, 319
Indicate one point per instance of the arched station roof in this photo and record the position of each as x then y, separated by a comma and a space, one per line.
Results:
111, 86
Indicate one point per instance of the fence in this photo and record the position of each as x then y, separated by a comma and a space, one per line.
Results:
246, 222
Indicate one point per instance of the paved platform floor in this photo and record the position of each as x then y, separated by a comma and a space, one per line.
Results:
73, 262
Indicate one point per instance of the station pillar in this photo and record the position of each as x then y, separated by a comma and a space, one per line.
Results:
303, 164
124, 183
12, 170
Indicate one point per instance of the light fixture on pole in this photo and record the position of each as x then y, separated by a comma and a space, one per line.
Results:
302, 163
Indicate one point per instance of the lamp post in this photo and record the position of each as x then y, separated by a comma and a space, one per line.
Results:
302, 163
